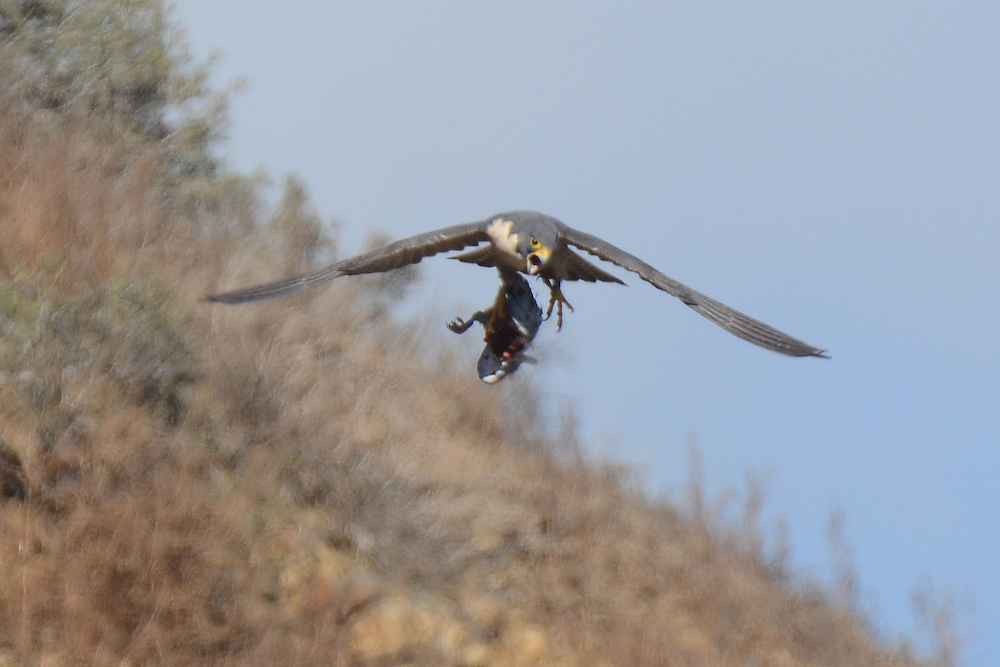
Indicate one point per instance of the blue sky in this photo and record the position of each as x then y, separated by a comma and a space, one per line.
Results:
829, 168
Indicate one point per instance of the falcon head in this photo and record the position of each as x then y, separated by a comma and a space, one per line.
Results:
527, 239
537, 238
537, 255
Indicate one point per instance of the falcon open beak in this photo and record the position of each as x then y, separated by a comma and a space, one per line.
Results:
537, 261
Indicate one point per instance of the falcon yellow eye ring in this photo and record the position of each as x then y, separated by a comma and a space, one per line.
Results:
534, 243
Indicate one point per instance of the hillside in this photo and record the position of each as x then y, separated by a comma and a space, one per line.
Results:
306, 481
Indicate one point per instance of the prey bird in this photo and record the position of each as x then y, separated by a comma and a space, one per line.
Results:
537, 245
509, 327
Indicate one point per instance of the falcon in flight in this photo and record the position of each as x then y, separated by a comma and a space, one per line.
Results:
537, 245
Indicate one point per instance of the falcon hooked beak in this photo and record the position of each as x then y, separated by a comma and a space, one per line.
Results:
537, 261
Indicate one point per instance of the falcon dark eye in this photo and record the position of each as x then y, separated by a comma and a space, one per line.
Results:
534, 243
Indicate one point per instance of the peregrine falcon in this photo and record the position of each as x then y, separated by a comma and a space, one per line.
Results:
537, 245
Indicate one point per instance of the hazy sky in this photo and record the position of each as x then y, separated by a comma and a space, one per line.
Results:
830, 168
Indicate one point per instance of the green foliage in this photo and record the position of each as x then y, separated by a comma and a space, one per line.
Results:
121, 61
104, 57
149, 351
125, 334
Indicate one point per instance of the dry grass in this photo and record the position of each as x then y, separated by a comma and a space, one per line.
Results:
304, 482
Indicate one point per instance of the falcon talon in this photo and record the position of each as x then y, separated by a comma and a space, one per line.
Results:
556, 299
536, 245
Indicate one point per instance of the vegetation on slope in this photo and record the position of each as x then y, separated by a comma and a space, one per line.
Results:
305, 482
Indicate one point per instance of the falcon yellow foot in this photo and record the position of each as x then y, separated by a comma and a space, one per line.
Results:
556, 300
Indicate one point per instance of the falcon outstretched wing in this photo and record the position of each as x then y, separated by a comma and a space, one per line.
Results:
577, 268
730, 319
393, 256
